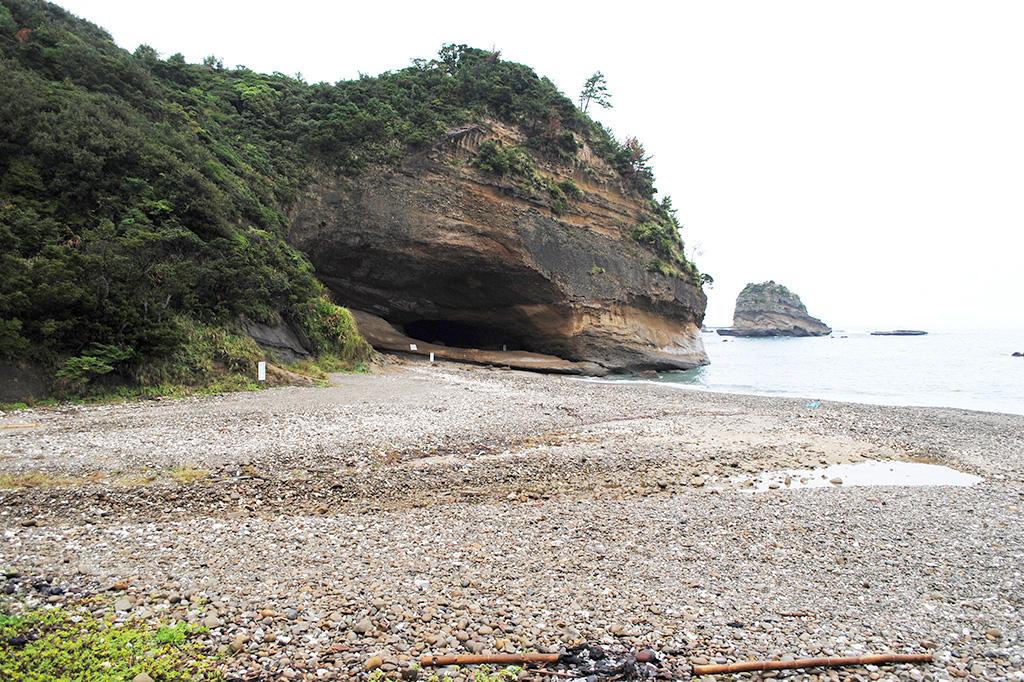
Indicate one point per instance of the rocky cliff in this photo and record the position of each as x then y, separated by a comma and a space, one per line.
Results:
770, 309
530, 254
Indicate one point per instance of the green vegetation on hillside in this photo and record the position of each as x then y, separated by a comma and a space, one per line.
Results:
661, 235
142, 211
144, 200
769, 288
770, 292
501, 160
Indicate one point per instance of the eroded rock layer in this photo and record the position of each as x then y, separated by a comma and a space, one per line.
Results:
457, 256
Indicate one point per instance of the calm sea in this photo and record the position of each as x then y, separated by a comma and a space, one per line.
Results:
971, 370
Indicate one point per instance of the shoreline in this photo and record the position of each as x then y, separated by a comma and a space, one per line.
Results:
454, 509
685, 386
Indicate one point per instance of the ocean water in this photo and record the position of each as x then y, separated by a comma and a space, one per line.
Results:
971, 370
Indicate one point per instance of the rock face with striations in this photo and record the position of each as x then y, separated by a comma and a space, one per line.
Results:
451, 254
770, 309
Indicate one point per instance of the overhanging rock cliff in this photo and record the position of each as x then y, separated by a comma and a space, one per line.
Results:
454, 254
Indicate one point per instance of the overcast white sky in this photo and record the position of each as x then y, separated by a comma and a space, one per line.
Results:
869, 155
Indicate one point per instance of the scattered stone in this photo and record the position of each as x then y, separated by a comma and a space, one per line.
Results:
420, 553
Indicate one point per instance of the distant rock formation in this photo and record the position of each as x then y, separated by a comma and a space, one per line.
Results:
900, 332
770, 309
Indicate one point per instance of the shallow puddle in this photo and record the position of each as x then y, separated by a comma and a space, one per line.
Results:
869, 473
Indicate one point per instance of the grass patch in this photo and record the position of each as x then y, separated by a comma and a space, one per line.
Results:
228, 383
175, 634
62, 645
333, 334
42, 479
187, 475
663, 268
32, 479
320, 368
135, 480
29, 404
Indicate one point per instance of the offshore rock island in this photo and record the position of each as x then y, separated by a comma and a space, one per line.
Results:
770, 309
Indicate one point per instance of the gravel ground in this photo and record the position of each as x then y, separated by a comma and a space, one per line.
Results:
448, 509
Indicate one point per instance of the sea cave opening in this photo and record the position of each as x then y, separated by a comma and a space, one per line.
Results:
462, 335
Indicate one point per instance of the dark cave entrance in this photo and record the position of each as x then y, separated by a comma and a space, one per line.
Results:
461, 335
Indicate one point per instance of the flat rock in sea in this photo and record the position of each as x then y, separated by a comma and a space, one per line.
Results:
900, 332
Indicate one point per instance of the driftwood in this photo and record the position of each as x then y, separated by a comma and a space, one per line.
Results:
748, 666
477, 659
23, 425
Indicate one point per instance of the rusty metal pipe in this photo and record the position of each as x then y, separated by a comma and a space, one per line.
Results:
477, 659
835, 662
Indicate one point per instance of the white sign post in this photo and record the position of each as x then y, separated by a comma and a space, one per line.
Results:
412, 347
431, 356
261, 371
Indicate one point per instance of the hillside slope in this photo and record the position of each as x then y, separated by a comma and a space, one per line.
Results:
145, 201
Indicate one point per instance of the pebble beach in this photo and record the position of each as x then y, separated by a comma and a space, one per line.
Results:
326, 533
